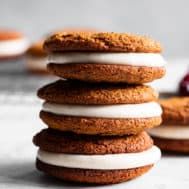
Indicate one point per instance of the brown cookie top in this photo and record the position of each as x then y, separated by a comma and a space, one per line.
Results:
36, 49
175, 111
68, 92
9, 35
106, 42
63, 142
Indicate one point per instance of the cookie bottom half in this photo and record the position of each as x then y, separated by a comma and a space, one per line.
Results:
107, 73
91, 176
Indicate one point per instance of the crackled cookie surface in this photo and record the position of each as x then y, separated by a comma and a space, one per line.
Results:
104, 57
98, 160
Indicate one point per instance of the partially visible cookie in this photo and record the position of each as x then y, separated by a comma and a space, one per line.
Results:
175, 111
172, 145
36, 59
173, 134
73, 92
13, 44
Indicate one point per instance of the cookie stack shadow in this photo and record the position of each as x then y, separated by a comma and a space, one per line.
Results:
97, 117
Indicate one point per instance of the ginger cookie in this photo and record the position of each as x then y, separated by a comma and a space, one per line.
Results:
105, 110
36, 59
73, 92
13, 44
66, 142
104, 57
175, 111
97, 160
173, 135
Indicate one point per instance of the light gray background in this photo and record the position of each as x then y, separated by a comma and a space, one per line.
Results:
164, 20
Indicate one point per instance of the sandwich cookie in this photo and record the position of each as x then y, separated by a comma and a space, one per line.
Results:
104, 57
94, 159
99, 109
12, 44
36, 59
173, 135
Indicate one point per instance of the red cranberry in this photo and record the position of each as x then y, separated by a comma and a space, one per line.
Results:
184, 86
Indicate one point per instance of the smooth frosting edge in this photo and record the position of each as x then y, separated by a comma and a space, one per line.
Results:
103, 162
133, 59
170, 132
144, 110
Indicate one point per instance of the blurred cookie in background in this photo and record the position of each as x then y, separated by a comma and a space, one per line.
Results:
36, 58
13, 44
173, 135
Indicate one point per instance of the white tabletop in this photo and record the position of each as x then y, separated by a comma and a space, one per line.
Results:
19, 122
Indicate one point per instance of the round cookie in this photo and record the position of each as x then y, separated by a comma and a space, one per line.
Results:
173, 135
106, 110
12, 44
91, 176
81, 158
104, 57
172, 145
36, 59
73, 92
110, 42
175, 111
65, 142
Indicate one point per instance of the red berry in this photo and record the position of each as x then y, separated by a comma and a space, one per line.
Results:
184, 86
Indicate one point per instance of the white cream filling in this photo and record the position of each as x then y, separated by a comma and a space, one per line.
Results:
13, 47
144, 110
133, 59
103, 162
36, 62
170, 132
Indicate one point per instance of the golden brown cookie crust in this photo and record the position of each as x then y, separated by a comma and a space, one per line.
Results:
105, 42
62, 142
10, 35
92, 176
98, 126
172, 145
107, 73
175, 111
73, 92
36, 49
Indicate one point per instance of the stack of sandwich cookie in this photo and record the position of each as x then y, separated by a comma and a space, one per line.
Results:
96, 130
173, 135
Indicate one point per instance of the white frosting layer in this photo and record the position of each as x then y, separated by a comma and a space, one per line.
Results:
144, 110
171, 132
133, 59
37, 62
13, 47
104, 162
